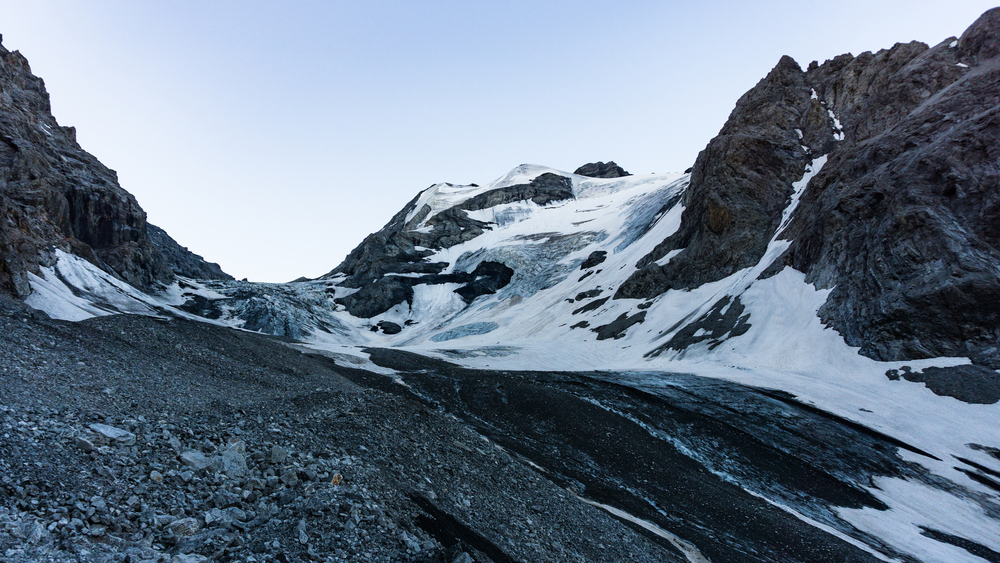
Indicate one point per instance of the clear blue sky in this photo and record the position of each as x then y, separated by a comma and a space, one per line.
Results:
272, 137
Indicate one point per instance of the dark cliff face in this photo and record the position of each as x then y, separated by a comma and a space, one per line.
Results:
902, 221
55, 195
740, 184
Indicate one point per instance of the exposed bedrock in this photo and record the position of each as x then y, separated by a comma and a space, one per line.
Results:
905, 226
182, 261
739, 185
55, 195
400, 248
902, 222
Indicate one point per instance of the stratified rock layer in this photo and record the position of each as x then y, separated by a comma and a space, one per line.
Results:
901, 222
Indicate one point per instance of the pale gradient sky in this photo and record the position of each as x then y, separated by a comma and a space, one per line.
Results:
272, 137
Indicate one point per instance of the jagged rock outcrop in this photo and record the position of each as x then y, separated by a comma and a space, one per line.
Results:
914, 203
901, 222
182, 261
393, 248
382, 294
601, 170
740, 184
53, 194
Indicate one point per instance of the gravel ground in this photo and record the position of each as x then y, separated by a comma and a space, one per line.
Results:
127, 438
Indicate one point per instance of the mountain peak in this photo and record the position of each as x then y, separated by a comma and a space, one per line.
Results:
982, 40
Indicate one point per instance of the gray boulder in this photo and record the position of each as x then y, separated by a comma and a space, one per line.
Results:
116, 435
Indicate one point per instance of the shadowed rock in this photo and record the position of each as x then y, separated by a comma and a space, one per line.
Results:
385, 293
393, 249
616, 328
596, 258
55, 195
969, 384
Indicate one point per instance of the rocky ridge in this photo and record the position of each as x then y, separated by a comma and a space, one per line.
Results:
899, 222
400, 248
601, 170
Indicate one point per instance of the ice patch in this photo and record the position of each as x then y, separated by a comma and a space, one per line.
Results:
440, 197
798, 188
74, 289
434, 303
523, 174
505, 214
465, 330
669, 256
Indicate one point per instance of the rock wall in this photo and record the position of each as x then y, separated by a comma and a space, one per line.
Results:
53, 194
902, 221
740, 184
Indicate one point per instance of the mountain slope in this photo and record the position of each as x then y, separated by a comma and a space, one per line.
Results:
874, 176
56, 197
180, 260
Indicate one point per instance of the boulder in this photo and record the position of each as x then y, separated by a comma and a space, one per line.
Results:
232, 460
116, 435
